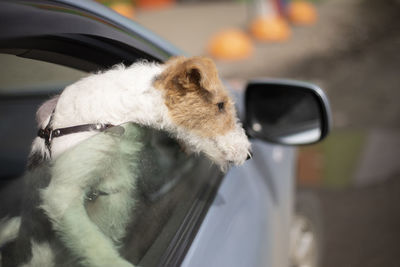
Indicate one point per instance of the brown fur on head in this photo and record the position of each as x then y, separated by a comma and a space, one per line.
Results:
196, 97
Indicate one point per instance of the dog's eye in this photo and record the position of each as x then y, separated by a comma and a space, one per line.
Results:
220, 106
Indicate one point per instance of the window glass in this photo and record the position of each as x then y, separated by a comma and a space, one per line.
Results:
132, 183
28, 75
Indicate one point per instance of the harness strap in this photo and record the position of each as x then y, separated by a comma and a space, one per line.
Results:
48, 134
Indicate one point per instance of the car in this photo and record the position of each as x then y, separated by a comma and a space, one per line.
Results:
190, 213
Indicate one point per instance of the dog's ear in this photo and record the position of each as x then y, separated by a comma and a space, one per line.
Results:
199, 73
183, 74
189, 74
45, 110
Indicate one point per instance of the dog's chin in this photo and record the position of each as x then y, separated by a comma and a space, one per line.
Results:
224, 165
227, 164
224, 151
233, 149
225, 161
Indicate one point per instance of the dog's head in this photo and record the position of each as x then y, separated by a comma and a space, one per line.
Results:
200, 106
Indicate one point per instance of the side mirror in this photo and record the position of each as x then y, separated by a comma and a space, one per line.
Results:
286, 112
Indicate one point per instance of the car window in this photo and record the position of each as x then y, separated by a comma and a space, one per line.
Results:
170, 189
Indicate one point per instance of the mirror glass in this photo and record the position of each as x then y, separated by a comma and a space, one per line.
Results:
285, 113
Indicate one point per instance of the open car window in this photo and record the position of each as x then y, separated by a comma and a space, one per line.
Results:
171, 190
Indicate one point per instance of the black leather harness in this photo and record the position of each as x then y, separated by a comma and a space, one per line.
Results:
48, 134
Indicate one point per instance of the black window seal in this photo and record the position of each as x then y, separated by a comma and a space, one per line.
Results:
183, 238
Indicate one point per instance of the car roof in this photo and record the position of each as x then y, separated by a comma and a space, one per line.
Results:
74, 33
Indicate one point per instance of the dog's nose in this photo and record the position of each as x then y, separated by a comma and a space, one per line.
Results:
249, 155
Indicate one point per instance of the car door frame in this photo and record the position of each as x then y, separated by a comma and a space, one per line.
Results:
49, 31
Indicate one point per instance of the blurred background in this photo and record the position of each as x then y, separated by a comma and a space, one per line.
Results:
350, 48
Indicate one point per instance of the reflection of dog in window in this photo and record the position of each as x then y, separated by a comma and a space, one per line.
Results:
86, 190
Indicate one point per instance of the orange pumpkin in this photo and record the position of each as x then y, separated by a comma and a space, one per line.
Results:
273, 28
232, 44
125, 9
302, 13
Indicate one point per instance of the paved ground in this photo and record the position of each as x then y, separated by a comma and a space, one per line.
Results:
353, 53
191, 26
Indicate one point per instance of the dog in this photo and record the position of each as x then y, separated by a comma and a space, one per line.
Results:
79, 204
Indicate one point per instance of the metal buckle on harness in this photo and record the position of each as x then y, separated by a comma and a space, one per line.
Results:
47, 135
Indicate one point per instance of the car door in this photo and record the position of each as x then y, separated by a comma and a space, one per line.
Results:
47, 45
204, 219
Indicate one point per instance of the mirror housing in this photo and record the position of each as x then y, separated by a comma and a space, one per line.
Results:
286, 112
